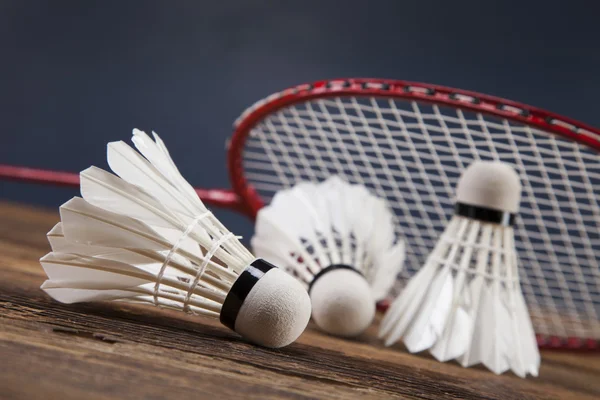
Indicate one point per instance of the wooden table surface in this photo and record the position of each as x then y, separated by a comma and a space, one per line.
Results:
111, 351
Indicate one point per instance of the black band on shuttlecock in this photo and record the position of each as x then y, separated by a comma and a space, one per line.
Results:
328, 269
485, 214
240, 289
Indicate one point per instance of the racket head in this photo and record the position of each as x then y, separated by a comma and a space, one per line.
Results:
409, 142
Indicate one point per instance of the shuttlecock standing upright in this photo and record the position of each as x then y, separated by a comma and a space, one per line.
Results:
466, 301
144, 236
338, 239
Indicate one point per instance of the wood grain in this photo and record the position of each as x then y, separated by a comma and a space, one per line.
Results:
110, 350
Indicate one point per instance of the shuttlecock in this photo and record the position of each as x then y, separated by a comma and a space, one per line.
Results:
466, 301
339, 241
144, 236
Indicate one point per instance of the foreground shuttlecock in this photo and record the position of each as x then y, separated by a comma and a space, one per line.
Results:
337, 239
146, 237
466, 301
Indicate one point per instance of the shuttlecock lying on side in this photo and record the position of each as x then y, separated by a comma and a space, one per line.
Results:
466, 301
146, 237
338, 239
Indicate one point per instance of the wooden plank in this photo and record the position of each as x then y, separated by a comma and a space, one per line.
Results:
112, 350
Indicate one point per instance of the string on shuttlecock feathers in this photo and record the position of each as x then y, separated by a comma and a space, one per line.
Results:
338, 240
107, 272
145, 236
466, 302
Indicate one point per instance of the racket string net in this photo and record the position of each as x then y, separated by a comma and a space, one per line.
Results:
412, 154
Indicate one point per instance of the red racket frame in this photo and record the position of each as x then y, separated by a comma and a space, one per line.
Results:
244, 199
212, 197
360, 87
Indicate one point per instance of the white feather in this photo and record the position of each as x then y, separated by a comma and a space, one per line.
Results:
158, 155
331, 223
390, 262
429, 323
466, 304
150, 261
129, 230
87, 224
105, 190
76, 271
174, 195
93, 279
133, 168
401, 313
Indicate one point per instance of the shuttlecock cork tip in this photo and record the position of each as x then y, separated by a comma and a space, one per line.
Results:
342, 302
275, 312
490, 184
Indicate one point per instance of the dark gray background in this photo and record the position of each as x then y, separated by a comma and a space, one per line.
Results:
77, 74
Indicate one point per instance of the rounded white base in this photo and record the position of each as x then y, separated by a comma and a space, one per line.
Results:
342, 303
491, 184
275, 312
